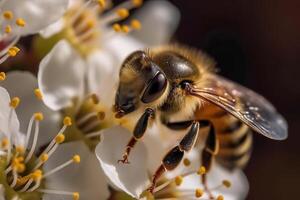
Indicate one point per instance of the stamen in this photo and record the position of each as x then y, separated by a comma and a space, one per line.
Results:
186, 162
15, 178
135, 24
14, 102
122, 13
125, 29
2, 76
101, 3
67, 121
20, 22
75, 195
38, 94
178, 180
13, 51
35, 137
95, 98
201, 171
29, 128
220, 197
8, 15
199, 192
7, 29
25, 188
117, 27
137, 3
4, 143
226, 183
93, 134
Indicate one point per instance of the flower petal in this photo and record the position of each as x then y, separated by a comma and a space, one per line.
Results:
85, 177
52, 29
36, 13
131, 178
27, 83
159, 21
61, 76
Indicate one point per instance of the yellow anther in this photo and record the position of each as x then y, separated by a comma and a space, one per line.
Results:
117, 27
95, 98
37, 175
136, 24
14, 102
60, 138
101, 115
198, 193
4, 142
90, 23
186, 162
76, 196
44, 157
123, 13
20, 22
2, 76
101, 3
67, 121
20, 149
178, 180
20, 159
137, 3
201, 171
220, 197
76, 159
125, 29
13, 51
8, 14
20, 168
38, 93
7, 29
226, 183
38, 116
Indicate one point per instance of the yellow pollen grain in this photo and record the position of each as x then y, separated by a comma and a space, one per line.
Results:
20, 22
7, 29
38, 116
38, 94
76, 159
201, 171
13, 51
178, 180
14, 102
20, 168
137, 3
117, 27
76, 196
123, 13
2, 76
226, 183
125, 29
198, 193
4, 142
220, 197
136, 24
60, 138
186, 162
37, 175
67, 121
20, 159
20, 150
8, 14
101, 3
44, 157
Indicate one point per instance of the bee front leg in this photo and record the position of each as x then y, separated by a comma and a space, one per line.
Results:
139, 131
175, 155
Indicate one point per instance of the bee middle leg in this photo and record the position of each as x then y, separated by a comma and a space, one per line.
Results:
175, 155
139, 131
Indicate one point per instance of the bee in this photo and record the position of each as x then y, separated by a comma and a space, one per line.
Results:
178, 87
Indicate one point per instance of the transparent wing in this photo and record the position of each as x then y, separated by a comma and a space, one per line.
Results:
250, 107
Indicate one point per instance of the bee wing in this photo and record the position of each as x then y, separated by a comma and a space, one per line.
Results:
248, 106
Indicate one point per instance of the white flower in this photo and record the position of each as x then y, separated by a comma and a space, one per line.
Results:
32, 173
182, 183
21, 18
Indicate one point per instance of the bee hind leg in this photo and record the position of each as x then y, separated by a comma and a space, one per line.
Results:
175, 155
139, 131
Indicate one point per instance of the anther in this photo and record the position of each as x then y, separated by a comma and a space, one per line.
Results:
137, 3
125, 28
2, 76
178, 180
101, 3
199, 193
60, 138
67, 121
38, 93
20, 22
13, 51
186, 162
76, 196
201, 171
226, 183
44, 157
95, 98
20, 150
220, 197
4, 142
76, 159
38, 116
37, 175
135, 24
123, 13
7, 29
117, 27
20, 168
8, 15
14, 102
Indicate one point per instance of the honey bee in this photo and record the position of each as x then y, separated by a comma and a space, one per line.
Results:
179, 88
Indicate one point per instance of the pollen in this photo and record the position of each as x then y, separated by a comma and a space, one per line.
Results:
20, 22
178, 180
38, 93
67, 121
4, 142
14, 102
220, 197
37, 175
13, 51
201, 171
20, 168
8, 14
44, 157
136, 24
21, 150
60, 138
76, 196
7, 29
117, 27
76, 159
101, 3
38, 116
186, 162
226, 183
125, 29
137, 3
2, 76
199, 193
123, 13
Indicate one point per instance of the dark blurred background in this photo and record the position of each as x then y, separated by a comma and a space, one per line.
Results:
256, 43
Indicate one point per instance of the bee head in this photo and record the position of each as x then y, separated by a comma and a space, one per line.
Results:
142, 82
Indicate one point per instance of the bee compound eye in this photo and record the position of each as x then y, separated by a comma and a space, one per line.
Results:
155, 88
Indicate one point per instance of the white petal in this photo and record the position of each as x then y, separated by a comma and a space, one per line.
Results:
7, 126
104, 66
52, 29
159, 21
37, 14
86, 177
131, 178
61, 76
24, 89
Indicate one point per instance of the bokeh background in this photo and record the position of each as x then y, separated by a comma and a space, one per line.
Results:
256, 43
